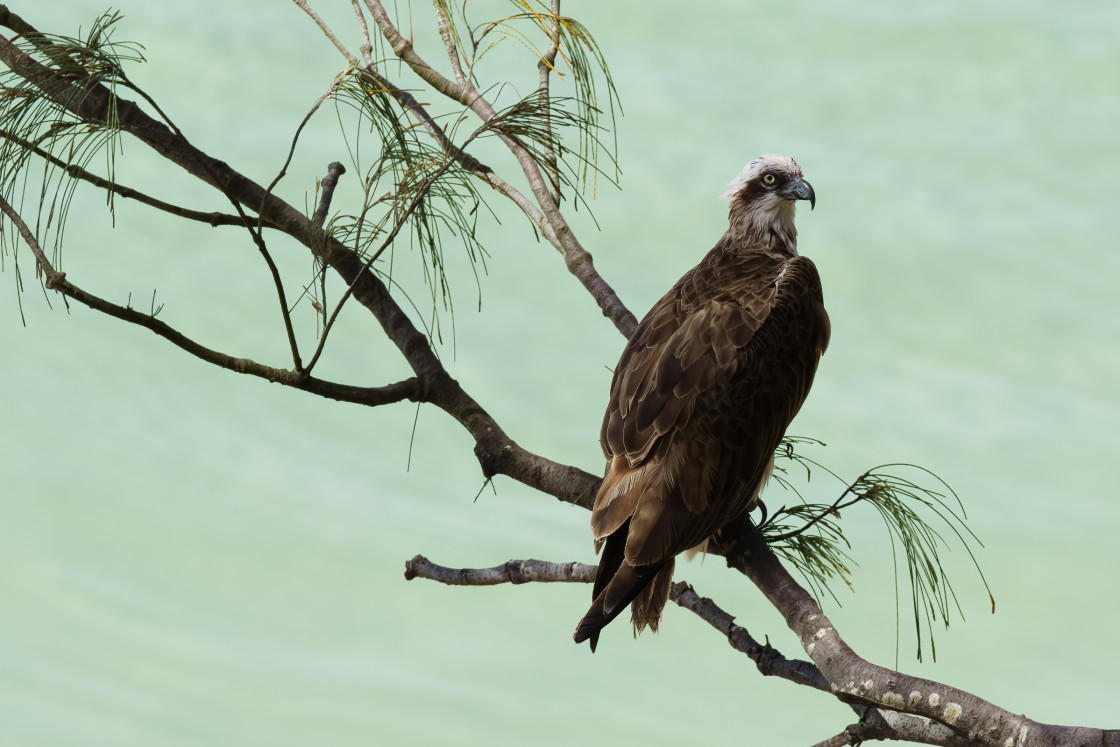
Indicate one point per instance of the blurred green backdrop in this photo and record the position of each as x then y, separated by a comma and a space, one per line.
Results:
188, 556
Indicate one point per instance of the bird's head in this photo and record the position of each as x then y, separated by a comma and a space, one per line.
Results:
762, 200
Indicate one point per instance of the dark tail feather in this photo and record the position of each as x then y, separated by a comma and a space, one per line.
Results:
614, 551
649, 605
623, 588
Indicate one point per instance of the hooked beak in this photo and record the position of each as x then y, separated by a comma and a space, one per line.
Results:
799, 189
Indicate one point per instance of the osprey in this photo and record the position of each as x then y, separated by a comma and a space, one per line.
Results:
702, 396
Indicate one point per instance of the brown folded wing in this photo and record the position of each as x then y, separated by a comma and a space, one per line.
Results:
700, 399
702, 396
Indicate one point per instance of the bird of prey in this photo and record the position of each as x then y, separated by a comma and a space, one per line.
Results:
702, 396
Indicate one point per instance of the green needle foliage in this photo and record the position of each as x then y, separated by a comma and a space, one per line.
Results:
918, 509
579, 60
418, 178
411, 185
32, 125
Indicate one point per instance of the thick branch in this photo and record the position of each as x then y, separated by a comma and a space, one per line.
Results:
855, 680
881, 724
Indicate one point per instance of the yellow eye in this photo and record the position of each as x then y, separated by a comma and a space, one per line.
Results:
769, 179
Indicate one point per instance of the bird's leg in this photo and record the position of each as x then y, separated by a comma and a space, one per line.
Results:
734, 540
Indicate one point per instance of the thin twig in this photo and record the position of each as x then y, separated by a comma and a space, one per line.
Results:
402, 47
328, 184
410, 389
409, 102
213, 219
43, 266
577, 259
545, 68
277, 282
366, 49
443, 21
335, 82
421, 194
325, 29
833, 509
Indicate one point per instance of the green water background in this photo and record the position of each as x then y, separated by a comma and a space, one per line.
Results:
192, 557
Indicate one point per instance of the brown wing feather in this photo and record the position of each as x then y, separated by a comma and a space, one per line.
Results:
690, 339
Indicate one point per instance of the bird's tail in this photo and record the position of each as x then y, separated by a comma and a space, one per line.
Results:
647, 608
646, 586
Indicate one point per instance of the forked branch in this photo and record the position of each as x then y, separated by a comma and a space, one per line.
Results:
543, 209
877, 721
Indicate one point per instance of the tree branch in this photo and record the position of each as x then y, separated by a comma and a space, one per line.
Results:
325, 29
889, 716
854, 680
875, 724
768, 660
559, 233
74, 171
443, 21
410, 389
545, 68
879, 724
365, 48
329, 182
511, 572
